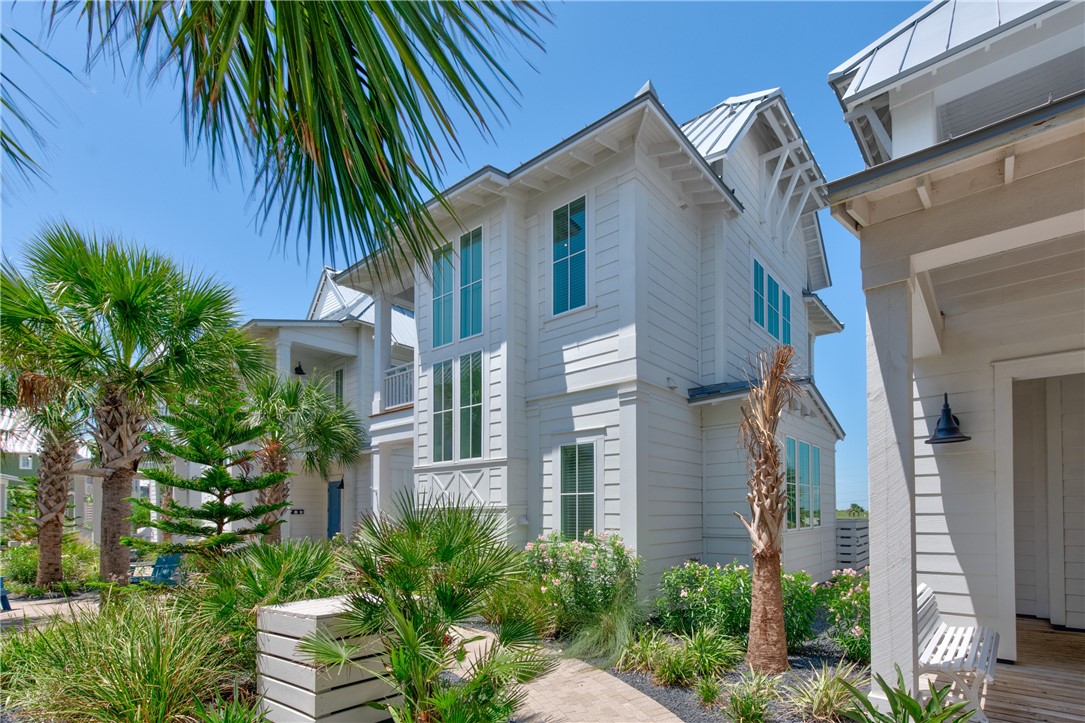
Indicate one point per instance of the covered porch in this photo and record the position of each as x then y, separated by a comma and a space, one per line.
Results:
973, 263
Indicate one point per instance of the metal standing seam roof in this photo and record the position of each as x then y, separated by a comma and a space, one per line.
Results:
715, 131
940, 29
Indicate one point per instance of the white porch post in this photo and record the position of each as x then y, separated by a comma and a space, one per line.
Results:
891, 441
376, 461
382, 346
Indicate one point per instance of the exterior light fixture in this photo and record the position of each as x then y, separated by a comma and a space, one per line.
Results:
949, 427
299, 371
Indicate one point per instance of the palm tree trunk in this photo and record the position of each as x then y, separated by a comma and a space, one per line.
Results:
276, 494
767, 650
52, 498
167, 497
119, 431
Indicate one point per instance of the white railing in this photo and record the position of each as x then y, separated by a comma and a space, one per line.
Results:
398, 386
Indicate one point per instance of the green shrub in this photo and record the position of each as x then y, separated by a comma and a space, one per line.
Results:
748, 698
230, 711
79, 563
227, 593
904, 708
135, 662
676, 668
521, 599
708, 690
823, 696
591, 585
847, 598
694, 596
644, 652
713, 653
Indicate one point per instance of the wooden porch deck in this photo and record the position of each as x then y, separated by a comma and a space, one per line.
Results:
1048, 681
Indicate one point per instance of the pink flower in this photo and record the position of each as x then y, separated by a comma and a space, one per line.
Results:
856, 631
542, 588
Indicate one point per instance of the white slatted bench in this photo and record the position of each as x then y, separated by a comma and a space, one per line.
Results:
965, 655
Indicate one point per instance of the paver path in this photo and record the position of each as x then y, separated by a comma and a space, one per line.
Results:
575, 692
34, 612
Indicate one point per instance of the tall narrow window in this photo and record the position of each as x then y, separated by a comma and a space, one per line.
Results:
442, 297
785, 314
577, 489
471, 283
471, 405
759, 293
570, 257
815, 485
792, 497
339, 385
773, 298
442, 411
804, 484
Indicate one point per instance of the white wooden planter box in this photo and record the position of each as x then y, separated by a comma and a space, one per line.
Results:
295, 691
852, 542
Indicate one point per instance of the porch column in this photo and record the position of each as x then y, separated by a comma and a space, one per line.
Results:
376, 461
382, 346
890, 441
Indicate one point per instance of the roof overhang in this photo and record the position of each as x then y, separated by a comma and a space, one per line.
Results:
822, 320
730, 391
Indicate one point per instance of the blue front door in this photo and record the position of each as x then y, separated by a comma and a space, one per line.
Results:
335, 502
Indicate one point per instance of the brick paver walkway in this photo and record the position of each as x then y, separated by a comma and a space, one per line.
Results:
36, 612
575, 692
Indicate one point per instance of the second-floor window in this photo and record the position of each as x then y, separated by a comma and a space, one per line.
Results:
443, 286
471, 283
771, 305
26, 461
803, 484
442, 411
471, 405
570, 257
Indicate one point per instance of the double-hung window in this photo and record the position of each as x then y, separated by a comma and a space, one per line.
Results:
577, 489
471, 405
570, 257
442, 411
803, 474
26, 461
771, 305
442, 297
471, 283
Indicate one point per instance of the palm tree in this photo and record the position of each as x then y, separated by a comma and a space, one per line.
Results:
340, 109
131, 328
48, 409
769, 397
300, 420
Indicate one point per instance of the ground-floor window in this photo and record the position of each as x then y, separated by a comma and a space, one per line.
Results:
803, 476
577, 489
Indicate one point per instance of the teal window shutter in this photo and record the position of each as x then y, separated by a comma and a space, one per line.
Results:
759, 293
785, 313
773, 299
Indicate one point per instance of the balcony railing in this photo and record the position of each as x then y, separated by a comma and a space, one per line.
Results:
398, 386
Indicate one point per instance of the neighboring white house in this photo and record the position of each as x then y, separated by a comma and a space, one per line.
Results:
971, 220
335, 340
584, 337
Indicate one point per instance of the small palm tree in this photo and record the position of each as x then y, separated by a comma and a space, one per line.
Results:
129, 327
769, 397
300, 420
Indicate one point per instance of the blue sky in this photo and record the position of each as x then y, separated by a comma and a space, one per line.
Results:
117, 161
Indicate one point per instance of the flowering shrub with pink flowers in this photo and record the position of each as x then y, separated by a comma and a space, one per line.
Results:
847, 599
693, 596
583, 579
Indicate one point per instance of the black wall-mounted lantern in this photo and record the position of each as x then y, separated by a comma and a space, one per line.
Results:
949, 427
299, 371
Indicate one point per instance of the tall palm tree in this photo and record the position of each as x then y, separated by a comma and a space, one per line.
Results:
301, 420
131, 328
340, 109
52, 412
769, 396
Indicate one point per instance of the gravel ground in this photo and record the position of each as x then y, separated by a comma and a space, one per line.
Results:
685, 703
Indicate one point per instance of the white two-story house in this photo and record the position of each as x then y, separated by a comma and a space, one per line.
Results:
584, 336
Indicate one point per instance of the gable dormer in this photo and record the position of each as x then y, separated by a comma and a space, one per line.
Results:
789, 187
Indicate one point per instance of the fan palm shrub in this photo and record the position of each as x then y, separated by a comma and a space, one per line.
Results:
422, 574
299, 420
129, 327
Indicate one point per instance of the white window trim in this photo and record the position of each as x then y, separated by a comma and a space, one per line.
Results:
597, 455
457, 433
456, 360
798, 509
589, 258
339, 384
433, 412
26, 461
783, 290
